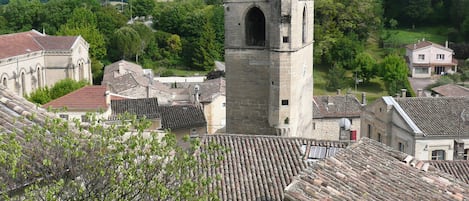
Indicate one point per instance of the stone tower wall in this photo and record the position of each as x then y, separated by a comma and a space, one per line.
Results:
261, 79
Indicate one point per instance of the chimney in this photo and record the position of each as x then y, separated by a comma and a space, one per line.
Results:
329, 101
446, 44
338, 91
404, 93
363, 98
423, 39
415, 46
419, 92
398, 95
148, 91
107, 95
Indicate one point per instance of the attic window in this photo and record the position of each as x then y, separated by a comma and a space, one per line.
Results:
284, 102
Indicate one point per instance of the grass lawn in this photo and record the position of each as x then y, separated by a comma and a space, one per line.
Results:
401, 37
374, 89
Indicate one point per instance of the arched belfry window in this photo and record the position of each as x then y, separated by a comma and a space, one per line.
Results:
304, 27
255, 27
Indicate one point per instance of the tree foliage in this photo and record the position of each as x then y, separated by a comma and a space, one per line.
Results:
127, 42
59, 89
336, 78
393, 71
365, 67
98, 161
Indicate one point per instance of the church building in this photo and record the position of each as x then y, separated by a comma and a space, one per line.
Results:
269, 62
30, 60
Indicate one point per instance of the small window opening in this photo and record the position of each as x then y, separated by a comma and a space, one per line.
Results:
286, 39
284, 102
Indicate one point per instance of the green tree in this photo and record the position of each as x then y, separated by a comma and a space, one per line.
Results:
22, 15
142, 7
65, 86
83, 22
126, 161
418, 10
40, 96
127, 42
393, 71
345, 50
336, 78
365, 67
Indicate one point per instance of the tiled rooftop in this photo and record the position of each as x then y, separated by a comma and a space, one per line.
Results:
31, 41
87, 98
451, 90
438, 116
16, 116
457, 168
260, 167
369, 170
172, 116
422, 44
336, 106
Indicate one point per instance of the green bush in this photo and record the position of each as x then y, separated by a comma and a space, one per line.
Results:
59, 89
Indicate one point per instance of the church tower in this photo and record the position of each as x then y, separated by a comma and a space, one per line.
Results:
269, 62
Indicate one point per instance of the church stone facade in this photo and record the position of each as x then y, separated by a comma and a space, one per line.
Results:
269, 61
31, 60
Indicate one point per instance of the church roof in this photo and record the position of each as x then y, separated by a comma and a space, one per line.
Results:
31, 41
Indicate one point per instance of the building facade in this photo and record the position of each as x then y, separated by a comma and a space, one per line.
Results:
425, 59
30, 60
269, 62
429, 128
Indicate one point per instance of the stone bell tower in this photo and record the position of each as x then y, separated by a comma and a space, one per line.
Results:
269, 62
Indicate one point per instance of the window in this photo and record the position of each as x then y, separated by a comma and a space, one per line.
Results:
369, 131
284, 102
421, 70
64, 116
421, 57
255, 27
304, 27
379, 137
4, 82
314, 125
440, 57
84, 118
438, 155
439, 70
39, 78
466, 153
401, 146
23, 84
285, 39
223, 105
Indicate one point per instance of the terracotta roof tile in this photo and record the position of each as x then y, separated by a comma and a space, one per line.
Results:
259, 167
172, 116
451, 90
31, 41
87, 98
369, 170
438, 116
458, 169
336, 106
422, 44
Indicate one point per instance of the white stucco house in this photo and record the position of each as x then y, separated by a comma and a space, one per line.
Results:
426, 58
429, 128
30, 60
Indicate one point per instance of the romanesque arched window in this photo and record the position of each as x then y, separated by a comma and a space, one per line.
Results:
81, 71
23, 83
304, 26
5, 82
39, 78
255, 27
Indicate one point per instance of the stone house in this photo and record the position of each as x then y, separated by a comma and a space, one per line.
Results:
430, 128
211, 95
369, 170
328, 112
30, 60
425, 59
